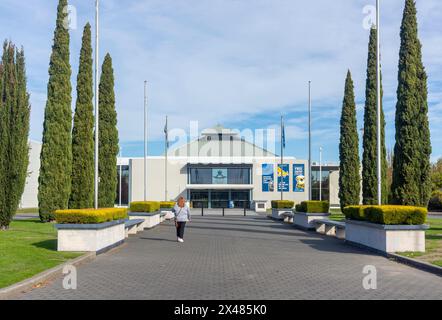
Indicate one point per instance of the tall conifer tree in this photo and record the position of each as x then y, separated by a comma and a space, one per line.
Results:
14, 131
56, 155
108, 137
82, 192
411, 165
349, 178
369, 159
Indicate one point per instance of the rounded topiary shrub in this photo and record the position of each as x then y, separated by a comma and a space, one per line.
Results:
144, 206
313, 207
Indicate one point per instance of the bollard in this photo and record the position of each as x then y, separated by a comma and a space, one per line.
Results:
202, 211
223, 211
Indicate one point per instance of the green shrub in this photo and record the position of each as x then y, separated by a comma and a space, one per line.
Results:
355, 212
90, 216
313, 207
167, 204
395, 215
435, 201
282, 204
144, 206
388, 215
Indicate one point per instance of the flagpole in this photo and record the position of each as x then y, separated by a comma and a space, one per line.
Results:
282, 158
96, 105
378, 85
320, 173
145, 140
309, 141
166, 158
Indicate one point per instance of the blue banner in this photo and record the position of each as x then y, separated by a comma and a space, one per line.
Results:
283, 177
299, 178
268, 178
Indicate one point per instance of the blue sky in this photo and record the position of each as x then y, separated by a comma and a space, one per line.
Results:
239, 63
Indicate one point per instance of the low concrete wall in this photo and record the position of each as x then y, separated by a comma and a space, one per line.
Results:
386, 238
276, 213
305, 220
90, 237
151, 220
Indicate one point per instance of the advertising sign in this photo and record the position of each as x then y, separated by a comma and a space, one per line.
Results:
283, 177
299, 178
268, 178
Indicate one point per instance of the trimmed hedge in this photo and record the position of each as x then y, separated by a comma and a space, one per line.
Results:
388, 215
90, 216
167, 204
313, 207
355, 212
282, 204
144, 206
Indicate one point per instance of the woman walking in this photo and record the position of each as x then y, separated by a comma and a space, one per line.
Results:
182, 215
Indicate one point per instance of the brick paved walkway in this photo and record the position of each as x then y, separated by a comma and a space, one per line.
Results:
240, 258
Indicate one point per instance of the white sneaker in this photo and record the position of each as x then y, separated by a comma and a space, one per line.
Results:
180, 240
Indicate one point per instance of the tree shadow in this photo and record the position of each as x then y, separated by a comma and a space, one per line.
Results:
47, 244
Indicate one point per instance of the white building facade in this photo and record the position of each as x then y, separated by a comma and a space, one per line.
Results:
218, 170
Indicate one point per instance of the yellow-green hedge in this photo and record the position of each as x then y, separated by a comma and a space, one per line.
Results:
167, 204
144, 206
388, 214
313, 207
282, 204
90, 216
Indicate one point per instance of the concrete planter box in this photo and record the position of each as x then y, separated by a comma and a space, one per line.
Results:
305, 220
277, 214
90, 237
168, 214
386, 238
151, 219
260, 206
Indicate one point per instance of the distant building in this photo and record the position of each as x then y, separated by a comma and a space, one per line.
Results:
221, 169
29, 198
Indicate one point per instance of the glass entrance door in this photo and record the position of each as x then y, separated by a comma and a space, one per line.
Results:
241, 198
219, 199
199, 199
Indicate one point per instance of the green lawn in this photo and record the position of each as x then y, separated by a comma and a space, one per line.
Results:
433, 244
28, 248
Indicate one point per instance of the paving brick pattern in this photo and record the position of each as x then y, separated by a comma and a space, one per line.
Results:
239, 258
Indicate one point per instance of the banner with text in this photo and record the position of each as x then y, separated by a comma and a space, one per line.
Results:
268, 178
299, 178
283, 177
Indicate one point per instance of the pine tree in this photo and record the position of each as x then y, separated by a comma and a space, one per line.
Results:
15, 112
56, 155
108, 137
369, 160
82, 192
349, 178
411, 166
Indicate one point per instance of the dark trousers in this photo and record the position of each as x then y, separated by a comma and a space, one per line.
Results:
180, 229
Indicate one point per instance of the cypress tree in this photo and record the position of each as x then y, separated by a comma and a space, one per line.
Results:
108, 137
411, 165
369, 159
14, 132
56, 155
349, 178
82, 192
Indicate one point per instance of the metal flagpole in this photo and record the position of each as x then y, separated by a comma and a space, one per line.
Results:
378, 67
166, 131
282, 158
320, 173
121, 179
145, 140
309, 141
96, 103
